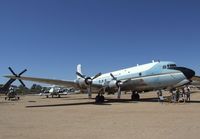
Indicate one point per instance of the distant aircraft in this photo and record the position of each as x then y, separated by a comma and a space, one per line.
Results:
7, 89
12, 94
55, 91
152, 76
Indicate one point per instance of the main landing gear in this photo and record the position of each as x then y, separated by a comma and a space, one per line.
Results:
135, 96
100, 98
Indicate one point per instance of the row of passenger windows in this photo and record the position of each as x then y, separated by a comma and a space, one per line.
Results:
140, 74
104, 80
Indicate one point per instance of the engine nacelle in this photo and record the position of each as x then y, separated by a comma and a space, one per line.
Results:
84, 83
114, 84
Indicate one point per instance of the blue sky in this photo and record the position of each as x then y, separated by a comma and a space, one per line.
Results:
50, 37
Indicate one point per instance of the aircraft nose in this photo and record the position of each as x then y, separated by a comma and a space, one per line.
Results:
189, 73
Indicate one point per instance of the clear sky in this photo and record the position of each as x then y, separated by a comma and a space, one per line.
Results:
50, 37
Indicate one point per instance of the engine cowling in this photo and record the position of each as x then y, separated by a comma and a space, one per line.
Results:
84, 83
114, 84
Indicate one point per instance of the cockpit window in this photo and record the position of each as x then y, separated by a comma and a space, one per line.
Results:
171, 66
164, 67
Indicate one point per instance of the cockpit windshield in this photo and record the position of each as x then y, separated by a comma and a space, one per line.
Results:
171, 66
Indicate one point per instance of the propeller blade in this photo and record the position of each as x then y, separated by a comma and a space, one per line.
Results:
22, 83
82, 76
22, 72
12, 71
114, 78
119, 93
90, 92
96, 76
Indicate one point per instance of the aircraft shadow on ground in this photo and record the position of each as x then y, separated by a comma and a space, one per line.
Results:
74, 98
69, 104
194, 101
66, 98
108, 102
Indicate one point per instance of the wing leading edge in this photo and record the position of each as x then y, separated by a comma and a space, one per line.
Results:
47, 81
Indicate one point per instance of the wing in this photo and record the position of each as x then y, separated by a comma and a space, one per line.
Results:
47, 81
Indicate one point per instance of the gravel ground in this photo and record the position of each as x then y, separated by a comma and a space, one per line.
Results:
75, 117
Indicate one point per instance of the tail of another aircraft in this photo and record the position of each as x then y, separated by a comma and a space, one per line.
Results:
79, 70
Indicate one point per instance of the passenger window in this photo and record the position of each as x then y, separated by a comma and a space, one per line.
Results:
140, 74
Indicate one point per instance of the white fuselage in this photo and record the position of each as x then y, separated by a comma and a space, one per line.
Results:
145, 77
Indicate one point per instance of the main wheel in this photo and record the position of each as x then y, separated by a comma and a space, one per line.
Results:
135, 97
102, 99
99, 99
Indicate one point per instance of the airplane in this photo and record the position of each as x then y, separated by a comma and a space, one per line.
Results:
7, 89
55, 91
12, 94
157, 75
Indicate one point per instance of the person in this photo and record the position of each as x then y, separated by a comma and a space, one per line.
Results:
161, 99
188, 94
177, 95
183, 94
173, 96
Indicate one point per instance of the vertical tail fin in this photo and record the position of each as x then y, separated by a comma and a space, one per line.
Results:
79, 70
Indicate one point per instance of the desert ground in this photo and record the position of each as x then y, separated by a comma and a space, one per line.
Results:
76, 117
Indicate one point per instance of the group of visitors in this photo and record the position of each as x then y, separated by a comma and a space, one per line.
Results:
181, 95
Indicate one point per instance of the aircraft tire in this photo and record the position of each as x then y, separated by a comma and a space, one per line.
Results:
135, 97
102, 99
99, 99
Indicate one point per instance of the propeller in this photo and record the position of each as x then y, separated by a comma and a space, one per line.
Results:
118, 84
18, 75
89, 81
